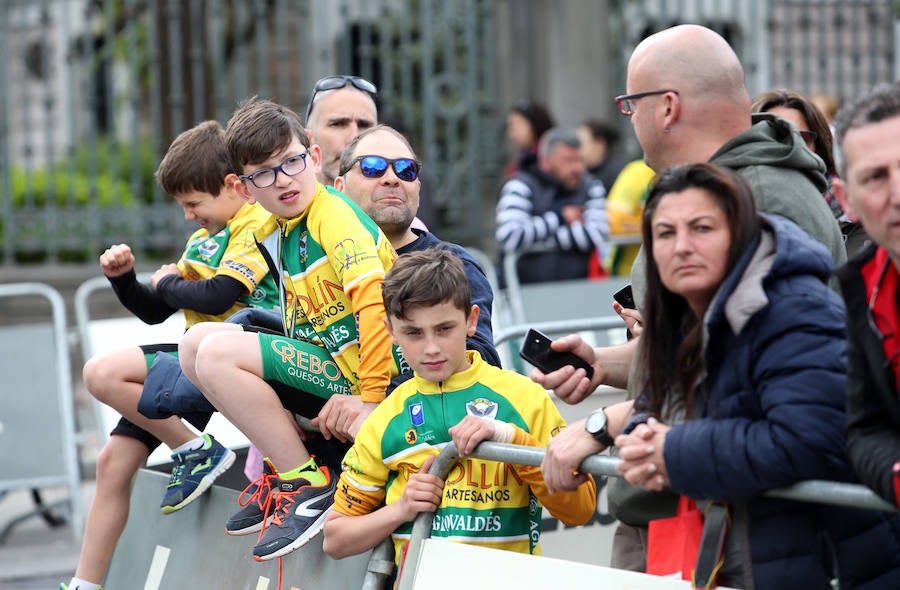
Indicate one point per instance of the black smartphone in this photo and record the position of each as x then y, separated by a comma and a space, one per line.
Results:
536, 350
625, 297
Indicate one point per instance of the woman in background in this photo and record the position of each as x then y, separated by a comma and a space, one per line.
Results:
815, 131
525, 124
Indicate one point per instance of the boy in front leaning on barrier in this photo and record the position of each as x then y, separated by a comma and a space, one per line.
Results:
386, 484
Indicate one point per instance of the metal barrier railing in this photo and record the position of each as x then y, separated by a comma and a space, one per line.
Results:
53, 460
818, 491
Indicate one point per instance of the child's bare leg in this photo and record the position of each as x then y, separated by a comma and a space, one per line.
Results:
117, 464
229, 367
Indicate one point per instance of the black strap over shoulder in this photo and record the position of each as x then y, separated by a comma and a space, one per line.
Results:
712, 546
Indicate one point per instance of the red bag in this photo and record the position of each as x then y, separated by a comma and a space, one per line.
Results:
673, 543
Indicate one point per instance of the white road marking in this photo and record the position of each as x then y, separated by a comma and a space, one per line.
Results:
157, 568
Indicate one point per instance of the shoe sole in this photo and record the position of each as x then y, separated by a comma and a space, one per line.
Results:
205, 483
314, 529
253, 528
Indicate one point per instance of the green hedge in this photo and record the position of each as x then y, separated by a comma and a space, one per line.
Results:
75, 188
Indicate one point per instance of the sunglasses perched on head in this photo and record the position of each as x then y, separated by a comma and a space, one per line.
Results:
335, 82
406, 169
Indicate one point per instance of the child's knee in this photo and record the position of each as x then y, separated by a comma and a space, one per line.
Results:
98, 375
118, 463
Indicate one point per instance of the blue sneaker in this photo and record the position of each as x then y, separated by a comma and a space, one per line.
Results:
300, 512
193, 473
255, 501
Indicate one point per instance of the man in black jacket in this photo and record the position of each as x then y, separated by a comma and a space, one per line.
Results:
868, 158
557, 212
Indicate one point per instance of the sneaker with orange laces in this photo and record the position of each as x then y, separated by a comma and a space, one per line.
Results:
254, 501
300, 510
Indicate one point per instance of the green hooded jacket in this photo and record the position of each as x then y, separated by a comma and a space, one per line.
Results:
788, 180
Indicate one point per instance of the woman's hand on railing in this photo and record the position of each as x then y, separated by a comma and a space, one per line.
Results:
641, 453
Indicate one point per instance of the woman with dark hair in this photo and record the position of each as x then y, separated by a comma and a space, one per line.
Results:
525, 124
806, 117
816, 133
743, 369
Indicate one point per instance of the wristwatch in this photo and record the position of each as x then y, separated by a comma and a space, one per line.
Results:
596, 427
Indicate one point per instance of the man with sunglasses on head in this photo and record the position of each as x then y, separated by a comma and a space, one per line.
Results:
380, 172
340, 107
559, 208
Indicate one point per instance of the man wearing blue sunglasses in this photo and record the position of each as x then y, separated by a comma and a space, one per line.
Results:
380, 172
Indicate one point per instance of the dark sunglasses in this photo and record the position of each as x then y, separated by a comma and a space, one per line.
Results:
335, 82
809, 136
406, 169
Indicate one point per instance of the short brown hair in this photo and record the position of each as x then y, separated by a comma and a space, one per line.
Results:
196, 161
260, 128
424, 279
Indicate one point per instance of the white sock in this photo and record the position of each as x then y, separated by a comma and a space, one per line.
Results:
79, 584
191, 445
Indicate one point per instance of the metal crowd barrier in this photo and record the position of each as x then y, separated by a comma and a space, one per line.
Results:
819, 491
36, 408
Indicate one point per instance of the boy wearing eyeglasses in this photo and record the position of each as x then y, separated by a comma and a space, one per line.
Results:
330, 259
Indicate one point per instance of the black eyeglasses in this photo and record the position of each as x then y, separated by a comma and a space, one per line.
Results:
625, 102
265, 177
335, 82
406, 169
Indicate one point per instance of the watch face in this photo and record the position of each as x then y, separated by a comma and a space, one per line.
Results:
596, 421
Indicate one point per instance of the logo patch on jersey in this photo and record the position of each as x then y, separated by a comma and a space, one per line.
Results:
208, 248
417, 414
301, 247
482, 408
258, 295
412, 436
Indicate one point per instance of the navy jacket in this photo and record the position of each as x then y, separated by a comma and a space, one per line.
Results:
773, 414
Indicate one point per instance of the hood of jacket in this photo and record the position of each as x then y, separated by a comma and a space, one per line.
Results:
782, 250
772, 141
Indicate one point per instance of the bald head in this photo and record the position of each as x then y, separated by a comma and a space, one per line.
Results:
712, 104
694, 59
